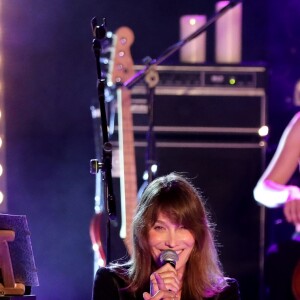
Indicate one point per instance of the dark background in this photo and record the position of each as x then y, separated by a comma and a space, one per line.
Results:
50, 82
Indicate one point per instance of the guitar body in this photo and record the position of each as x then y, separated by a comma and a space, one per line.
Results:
96, 238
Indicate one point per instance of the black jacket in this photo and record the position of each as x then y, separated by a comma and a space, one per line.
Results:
107, 286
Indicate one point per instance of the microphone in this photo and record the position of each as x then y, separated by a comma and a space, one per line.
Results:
168, 256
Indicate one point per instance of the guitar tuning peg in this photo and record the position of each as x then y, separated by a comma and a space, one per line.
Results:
123, 40
109, 34
104, 60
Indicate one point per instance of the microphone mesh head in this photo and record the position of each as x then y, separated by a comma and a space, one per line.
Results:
168, 256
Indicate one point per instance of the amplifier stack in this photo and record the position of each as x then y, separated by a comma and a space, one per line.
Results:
206, 124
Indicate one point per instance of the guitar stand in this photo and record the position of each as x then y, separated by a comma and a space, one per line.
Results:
9, 286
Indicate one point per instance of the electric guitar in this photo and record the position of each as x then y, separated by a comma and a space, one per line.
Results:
121, 69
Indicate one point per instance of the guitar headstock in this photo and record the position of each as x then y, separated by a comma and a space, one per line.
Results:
121, 62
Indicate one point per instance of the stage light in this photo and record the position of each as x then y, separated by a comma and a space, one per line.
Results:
1, 198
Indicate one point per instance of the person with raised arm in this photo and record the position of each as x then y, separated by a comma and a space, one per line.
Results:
273, 190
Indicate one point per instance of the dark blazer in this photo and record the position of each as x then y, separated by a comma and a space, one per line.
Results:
108, 285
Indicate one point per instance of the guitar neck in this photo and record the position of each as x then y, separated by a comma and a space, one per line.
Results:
128, 179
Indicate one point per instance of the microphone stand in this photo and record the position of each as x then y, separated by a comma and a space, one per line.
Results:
150, 74
131, 82
151, 79
99, 33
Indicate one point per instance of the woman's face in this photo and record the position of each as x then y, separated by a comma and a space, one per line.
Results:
164, 234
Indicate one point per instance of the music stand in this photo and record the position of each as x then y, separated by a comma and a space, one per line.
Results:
17, 264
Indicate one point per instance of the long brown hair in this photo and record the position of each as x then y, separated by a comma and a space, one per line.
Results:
176, 197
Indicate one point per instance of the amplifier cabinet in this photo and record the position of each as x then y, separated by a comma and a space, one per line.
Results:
202, 99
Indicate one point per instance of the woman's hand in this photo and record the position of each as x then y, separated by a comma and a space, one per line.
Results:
164, 284
292, 206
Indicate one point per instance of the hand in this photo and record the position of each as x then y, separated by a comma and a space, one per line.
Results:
292, 206
164, 284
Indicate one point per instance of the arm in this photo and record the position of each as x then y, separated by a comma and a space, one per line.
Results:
272, 189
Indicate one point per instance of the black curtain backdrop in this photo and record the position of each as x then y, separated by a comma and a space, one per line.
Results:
50, 82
